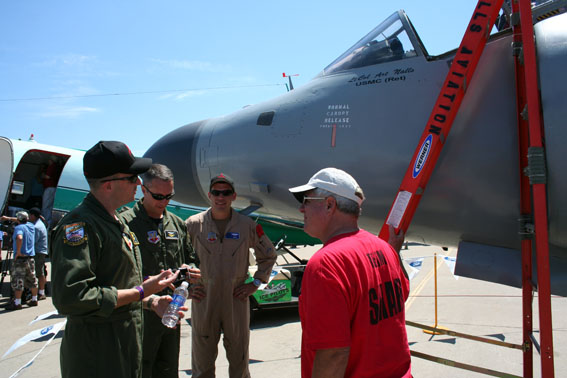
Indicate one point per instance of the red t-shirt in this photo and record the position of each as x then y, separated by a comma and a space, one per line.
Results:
50, 171
353, 295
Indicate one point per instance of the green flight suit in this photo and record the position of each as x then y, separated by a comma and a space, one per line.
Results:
92, 256
164, 246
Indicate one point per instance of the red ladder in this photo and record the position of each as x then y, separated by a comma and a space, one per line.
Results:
531, 155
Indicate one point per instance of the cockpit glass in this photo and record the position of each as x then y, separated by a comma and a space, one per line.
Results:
388, 42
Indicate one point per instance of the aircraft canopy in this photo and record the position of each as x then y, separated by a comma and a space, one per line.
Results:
394, 39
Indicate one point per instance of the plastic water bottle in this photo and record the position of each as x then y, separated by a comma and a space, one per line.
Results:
171, 316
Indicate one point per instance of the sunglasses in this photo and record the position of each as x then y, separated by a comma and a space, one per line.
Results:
224, 193
131, 179
305, 199
160, 197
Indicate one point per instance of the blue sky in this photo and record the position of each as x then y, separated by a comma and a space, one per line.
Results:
75, 72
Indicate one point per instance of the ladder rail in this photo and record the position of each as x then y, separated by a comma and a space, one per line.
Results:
539, 191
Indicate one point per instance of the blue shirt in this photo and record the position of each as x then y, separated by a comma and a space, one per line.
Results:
40, 237
27, 231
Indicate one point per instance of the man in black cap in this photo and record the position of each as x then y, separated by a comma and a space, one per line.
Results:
222, 239
97, 272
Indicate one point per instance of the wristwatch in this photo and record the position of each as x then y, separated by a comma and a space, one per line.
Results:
150, 301
257, 282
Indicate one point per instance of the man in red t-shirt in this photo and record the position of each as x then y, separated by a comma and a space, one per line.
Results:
353, 289
49, 181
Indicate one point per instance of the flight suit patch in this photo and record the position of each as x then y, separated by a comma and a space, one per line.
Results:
127, 239
134, 238
259, 231
171, 235
153, 237
232, 235
212, 237
75, 234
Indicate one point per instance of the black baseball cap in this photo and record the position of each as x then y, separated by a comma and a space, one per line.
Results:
107, 158
221, 178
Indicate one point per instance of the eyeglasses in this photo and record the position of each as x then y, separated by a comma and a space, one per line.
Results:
224, 193
305, 199
160, 197
131, 179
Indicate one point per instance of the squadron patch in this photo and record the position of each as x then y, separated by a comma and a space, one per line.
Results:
75, 234
212, 237
232, 235
134, 238
127, 239
153, 237
259, 231
171, 234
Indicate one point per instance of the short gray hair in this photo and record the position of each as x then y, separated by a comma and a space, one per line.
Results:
344, 205
157, 171
22, 216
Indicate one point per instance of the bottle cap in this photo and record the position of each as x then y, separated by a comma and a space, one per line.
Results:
185, 284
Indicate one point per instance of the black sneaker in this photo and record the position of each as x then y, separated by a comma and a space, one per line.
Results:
32, 303
12, 306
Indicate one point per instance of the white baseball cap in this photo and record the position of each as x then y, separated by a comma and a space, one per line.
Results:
333, 180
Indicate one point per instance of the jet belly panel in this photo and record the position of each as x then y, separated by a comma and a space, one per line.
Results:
552, 58
474, 189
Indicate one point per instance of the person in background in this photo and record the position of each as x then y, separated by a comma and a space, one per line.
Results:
40, 246
23, 270
49, 181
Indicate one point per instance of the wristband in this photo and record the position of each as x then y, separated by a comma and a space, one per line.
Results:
141, 291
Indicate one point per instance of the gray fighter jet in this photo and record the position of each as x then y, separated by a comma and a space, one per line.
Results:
364, 113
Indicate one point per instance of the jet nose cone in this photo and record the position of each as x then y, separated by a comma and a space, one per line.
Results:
176, 151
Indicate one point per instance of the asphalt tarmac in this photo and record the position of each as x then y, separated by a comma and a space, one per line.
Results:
463, 305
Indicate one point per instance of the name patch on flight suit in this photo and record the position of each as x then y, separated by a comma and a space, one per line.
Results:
153, 237
134, 238
212, 237
75, 234
232, 235
127, 239
171, 234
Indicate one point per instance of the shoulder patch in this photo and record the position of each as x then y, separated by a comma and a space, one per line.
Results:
259, 231
75, 234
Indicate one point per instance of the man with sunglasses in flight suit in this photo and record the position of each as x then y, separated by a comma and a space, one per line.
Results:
97, 271
164, 244
222, 239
